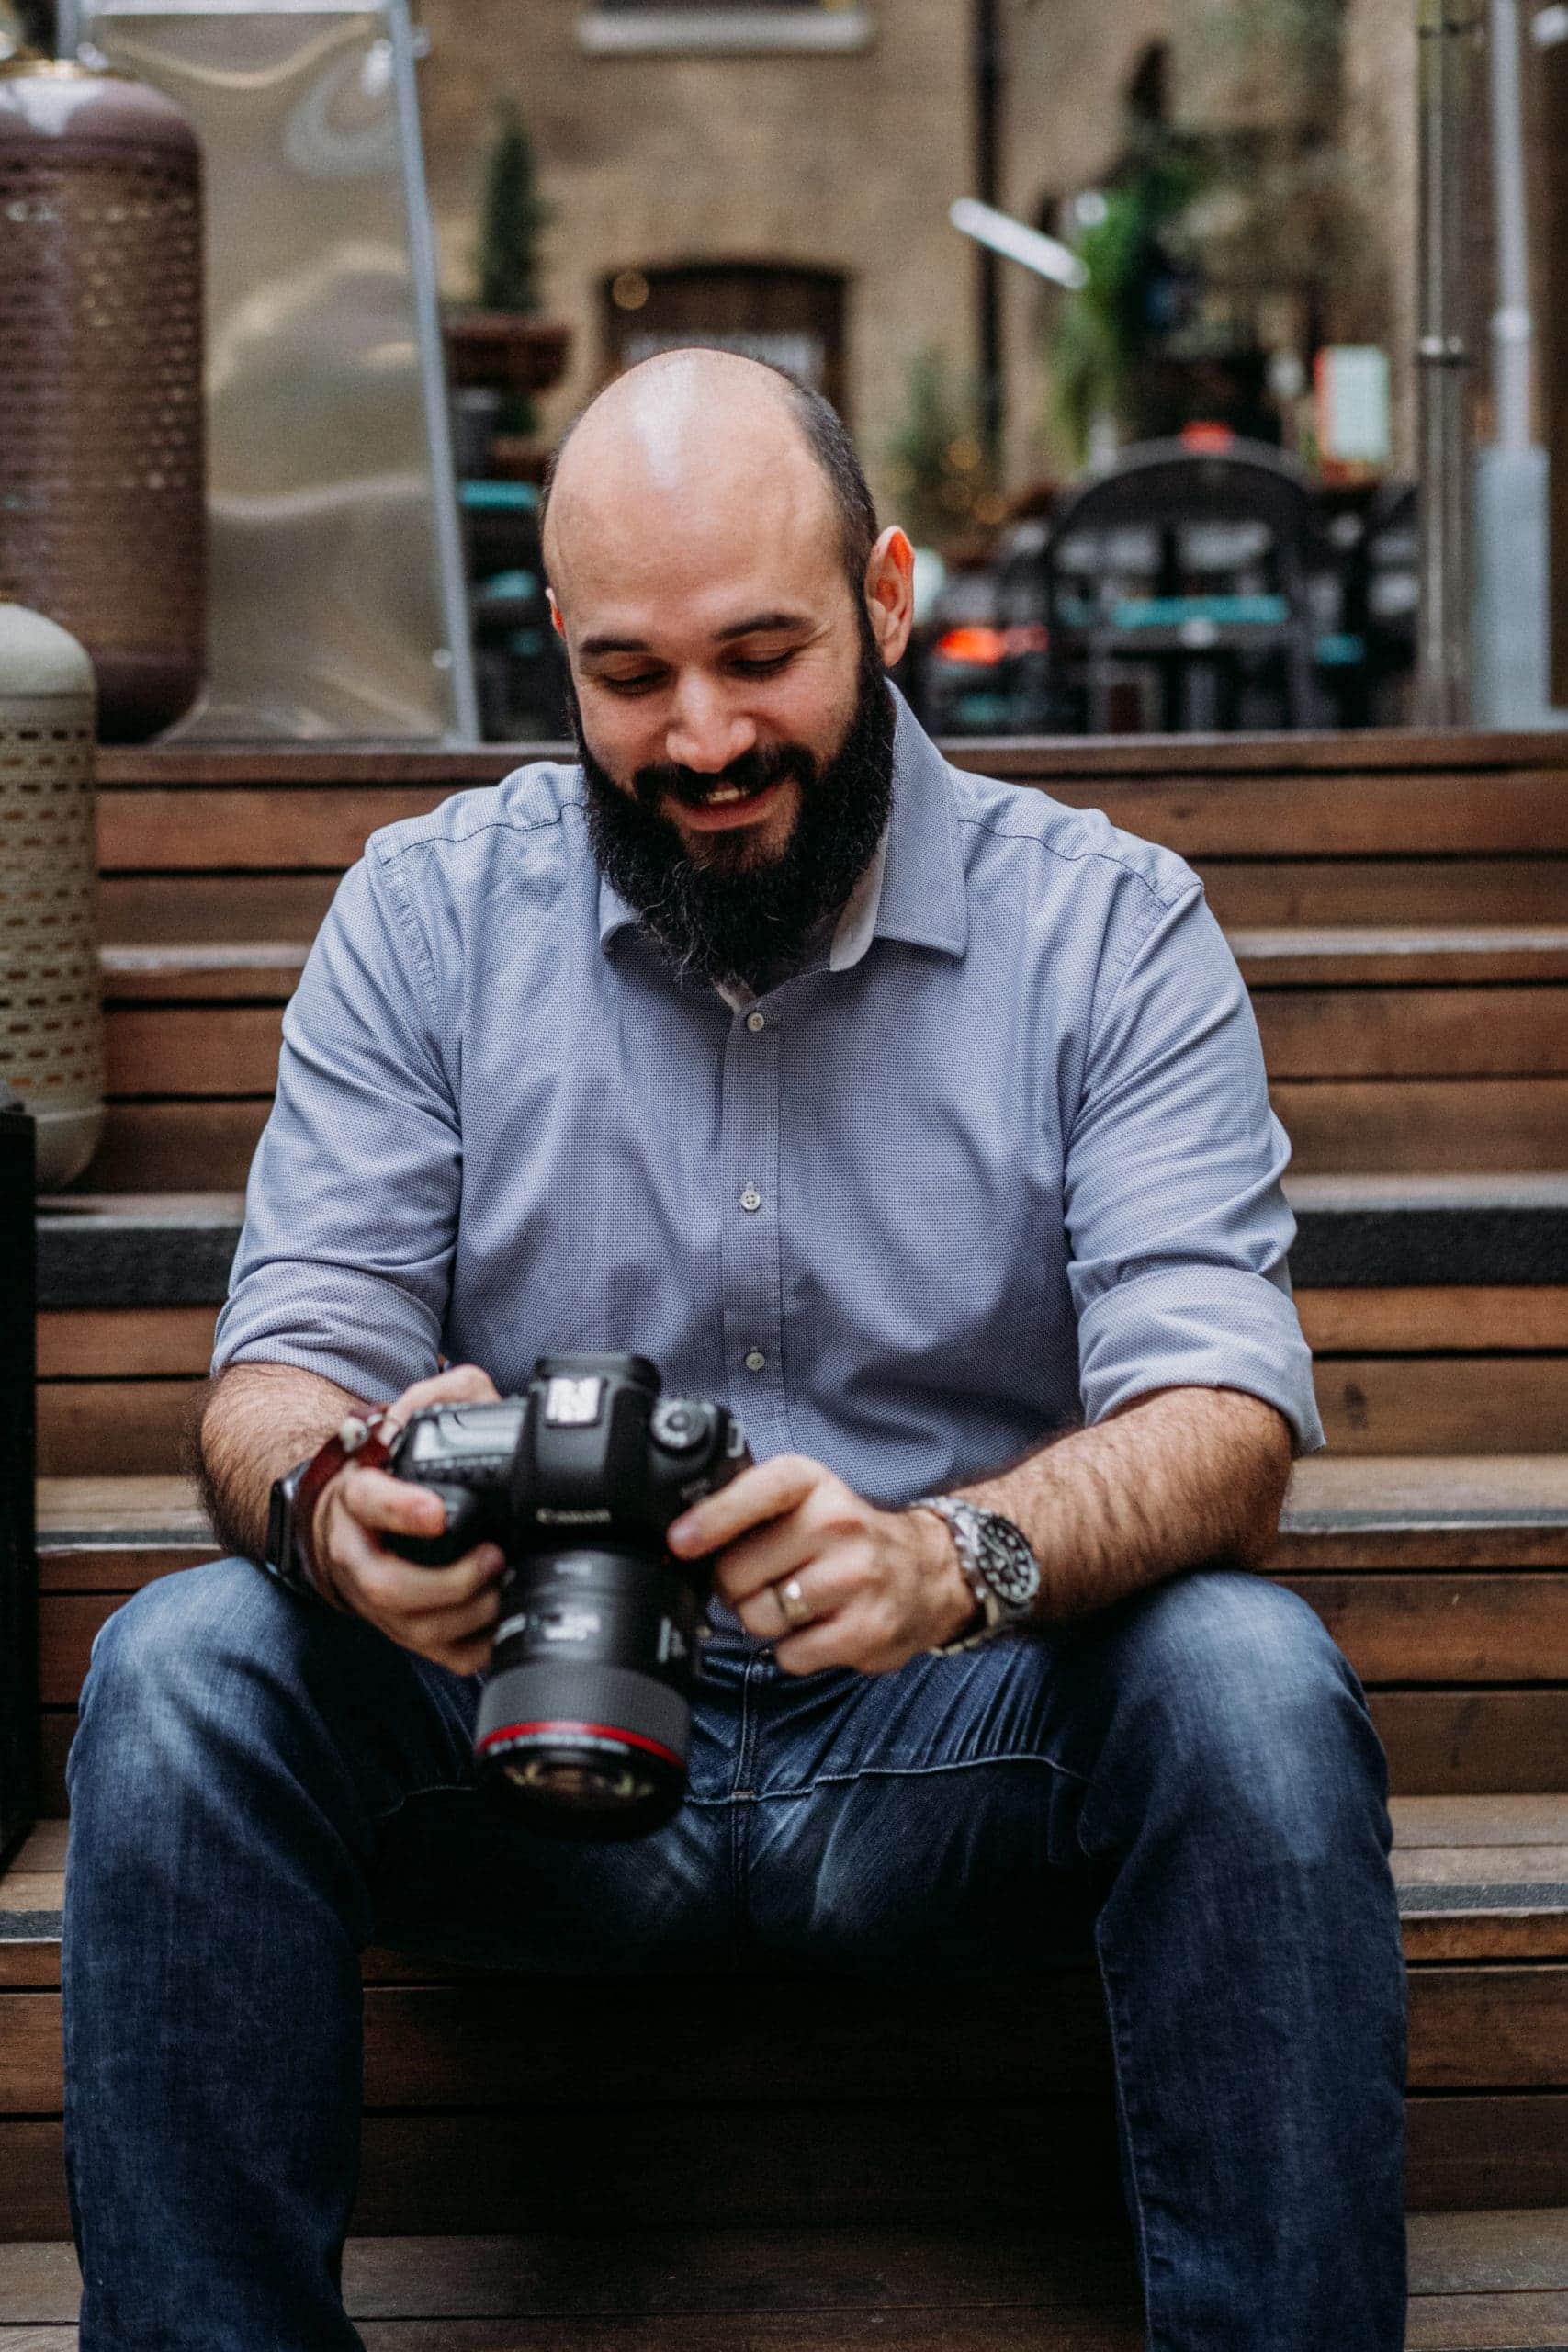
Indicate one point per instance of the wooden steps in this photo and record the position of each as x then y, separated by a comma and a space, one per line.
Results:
665, 2097
1477, 2280
1379, 1042
1399, 908
1444, 1578
1399, 903
1423, 1296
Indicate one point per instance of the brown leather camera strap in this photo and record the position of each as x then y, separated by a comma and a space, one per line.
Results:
366, 1441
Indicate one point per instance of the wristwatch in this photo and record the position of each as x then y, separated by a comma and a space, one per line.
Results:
998, 1567
289, 1558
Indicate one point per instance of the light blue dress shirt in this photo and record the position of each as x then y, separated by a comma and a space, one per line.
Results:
997, 1159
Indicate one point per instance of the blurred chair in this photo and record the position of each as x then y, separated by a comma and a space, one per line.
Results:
1182, 576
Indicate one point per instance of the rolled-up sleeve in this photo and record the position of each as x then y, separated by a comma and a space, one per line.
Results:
344, 1264
1178, 1223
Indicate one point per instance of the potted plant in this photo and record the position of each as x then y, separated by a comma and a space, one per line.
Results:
502, 346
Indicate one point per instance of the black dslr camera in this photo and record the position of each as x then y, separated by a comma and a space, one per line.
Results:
585, 1712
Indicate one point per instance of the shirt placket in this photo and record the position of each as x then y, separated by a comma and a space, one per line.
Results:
753, 1298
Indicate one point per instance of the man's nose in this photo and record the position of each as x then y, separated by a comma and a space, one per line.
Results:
704, 731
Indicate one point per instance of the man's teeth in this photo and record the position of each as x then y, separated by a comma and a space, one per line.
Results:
724, 792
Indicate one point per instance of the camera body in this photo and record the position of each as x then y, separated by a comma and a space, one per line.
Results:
586, 1715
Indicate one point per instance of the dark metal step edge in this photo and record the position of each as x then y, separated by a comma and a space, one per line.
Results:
138, 1258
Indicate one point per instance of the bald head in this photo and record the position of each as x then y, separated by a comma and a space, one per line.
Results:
697, 439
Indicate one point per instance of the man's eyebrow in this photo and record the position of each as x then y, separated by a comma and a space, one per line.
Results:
757, 625
760, 623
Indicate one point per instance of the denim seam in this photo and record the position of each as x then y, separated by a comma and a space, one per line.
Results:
896, 1773
1134, 2186
411, 1796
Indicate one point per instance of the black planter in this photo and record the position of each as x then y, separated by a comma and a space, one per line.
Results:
18, 1556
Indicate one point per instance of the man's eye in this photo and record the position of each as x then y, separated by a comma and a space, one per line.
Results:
762, 666
638, 685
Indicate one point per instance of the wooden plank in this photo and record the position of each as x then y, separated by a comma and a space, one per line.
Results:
1423, 1627
1275, 892
96, 1508
1444, 1743
1405, 955
783, 2167
188, 1050
1421, 1824
1335, 955
1415, 1321
1396, 1125
1466, 1404
265, 973
1244, 892
632, 2274
1488, 2029
1319, 1033
155, 1146
148, 909
1332, 1494
322, 826
1416, 1125
1502, 1031
1486, 2150
121, 1343
1430, 1627
1527, 2322
280, 825
1442, 753
122, 1426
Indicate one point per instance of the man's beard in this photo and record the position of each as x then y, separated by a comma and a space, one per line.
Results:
731, 921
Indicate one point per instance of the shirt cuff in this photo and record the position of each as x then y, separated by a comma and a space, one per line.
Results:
371, 1337
1198, 1327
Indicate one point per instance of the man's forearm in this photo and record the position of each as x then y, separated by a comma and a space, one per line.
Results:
1183, 1478
258, 1420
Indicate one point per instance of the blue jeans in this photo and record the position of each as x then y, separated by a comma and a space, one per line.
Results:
261, 1787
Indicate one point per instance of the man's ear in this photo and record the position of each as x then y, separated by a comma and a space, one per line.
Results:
890, 591
557, 622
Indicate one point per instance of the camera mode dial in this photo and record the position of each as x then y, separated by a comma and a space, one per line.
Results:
678, 1426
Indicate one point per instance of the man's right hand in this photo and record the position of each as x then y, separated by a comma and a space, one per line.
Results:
445, 1614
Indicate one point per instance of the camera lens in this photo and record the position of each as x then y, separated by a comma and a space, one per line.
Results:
586, 1713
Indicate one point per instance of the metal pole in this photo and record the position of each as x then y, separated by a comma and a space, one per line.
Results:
986, 38
1513, 327
1443, 655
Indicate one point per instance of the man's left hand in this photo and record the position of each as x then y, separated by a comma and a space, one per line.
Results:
877, 1586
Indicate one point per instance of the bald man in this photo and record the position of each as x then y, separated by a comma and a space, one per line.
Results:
921, 1121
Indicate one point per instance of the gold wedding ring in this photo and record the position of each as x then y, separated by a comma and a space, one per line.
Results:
792, 1602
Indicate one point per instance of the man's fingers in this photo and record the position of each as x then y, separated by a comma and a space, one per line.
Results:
460, 1384
824, 1590
763, 1492
376, 1499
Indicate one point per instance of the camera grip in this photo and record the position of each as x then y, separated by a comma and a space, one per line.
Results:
465, 1528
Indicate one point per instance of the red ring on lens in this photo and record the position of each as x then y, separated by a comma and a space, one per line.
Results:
593, 1731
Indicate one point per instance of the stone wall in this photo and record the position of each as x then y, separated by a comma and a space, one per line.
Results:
849, 162
841, 161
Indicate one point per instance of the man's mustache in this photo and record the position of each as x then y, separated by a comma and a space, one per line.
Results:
752, 772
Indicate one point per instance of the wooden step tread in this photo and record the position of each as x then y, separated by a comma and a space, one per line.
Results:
1331, 1495
1480, 1879
176, 1248
1476, 2279
1325, 956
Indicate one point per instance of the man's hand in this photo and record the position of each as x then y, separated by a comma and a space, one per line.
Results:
880, 1585
445, 1614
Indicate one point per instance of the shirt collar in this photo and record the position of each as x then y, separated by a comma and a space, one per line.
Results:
913, 889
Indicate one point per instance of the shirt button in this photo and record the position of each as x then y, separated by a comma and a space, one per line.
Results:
756, 1361
750, 1198
756, 1022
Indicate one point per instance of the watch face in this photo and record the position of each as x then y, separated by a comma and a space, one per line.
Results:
1006, 1562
